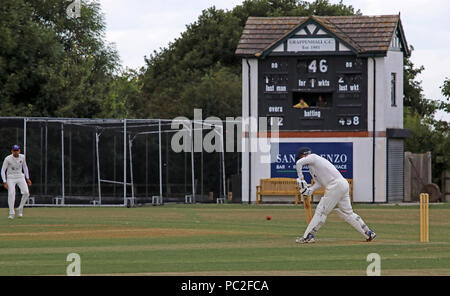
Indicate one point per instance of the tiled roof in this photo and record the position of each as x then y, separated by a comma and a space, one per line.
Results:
365, 34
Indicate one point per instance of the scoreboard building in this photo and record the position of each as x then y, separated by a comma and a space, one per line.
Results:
334, 84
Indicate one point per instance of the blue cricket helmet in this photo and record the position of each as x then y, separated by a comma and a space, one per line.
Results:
303, 151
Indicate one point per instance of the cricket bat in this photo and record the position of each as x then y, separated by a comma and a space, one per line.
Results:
308, 209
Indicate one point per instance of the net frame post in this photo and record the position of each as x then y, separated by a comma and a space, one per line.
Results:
62, 166
160, 160
130, 145
25, 136
192, 163
99, 185
124, 162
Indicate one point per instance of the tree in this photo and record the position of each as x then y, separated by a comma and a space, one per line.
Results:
263, 8
445, 89
124, 99
175, 70
218, 93
428, 134
52, 64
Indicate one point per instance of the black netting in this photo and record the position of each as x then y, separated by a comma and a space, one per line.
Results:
76, 179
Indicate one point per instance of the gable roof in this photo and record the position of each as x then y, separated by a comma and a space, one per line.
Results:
366, 35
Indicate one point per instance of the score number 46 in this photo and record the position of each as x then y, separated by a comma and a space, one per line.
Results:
323, 67
349, 121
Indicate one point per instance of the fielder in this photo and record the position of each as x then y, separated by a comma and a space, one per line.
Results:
12, 175
325, 174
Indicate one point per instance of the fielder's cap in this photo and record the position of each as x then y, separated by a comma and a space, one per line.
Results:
15, 147
303, 151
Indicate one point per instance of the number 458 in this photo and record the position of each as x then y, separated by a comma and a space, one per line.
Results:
349, 121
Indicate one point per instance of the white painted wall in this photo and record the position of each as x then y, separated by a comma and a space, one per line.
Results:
245, 127
387, 116
380, 169
380, 94
393, 63
382, 121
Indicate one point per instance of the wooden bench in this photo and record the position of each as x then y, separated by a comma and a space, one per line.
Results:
283, 186
277, 186
321, 191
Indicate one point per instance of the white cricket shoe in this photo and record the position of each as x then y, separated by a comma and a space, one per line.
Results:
371, 235
11, 217
19, 215
308, 240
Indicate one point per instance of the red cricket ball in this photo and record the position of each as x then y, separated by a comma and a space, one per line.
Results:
268, 217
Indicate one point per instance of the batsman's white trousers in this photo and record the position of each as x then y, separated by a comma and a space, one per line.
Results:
336, 193
23, 186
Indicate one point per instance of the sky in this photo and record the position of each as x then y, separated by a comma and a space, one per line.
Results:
140, 27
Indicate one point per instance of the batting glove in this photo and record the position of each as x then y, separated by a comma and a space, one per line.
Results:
302, 184
307, 191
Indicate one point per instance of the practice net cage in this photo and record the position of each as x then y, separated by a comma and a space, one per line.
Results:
107, 162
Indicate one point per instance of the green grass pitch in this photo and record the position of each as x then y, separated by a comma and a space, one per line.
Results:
212, 239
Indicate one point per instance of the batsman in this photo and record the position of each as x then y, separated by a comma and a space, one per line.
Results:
337, 194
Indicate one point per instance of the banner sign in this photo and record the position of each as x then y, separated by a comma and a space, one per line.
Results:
339, 154
311, 44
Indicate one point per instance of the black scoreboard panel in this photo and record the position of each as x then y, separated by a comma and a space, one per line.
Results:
334, 89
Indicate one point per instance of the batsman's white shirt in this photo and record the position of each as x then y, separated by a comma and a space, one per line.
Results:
323, 171
12, 167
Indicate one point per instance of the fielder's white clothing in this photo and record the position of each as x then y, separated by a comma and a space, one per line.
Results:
11, 173
325, 174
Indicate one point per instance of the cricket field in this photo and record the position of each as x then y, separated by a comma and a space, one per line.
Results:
219, 239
